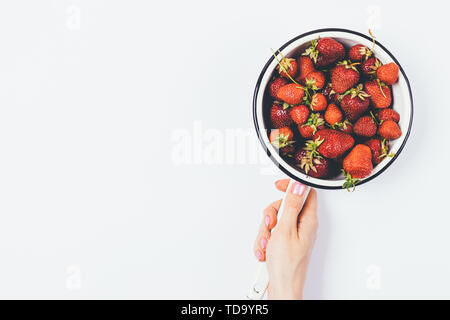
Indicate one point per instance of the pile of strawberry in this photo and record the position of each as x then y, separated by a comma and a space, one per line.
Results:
331, 110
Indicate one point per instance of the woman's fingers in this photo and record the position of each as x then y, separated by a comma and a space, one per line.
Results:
268, 222
270, 215
261, 244
282, 184
293, 203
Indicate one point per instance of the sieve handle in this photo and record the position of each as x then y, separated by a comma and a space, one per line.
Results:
261, 279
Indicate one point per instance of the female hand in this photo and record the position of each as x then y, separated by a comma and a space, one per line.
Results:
287, 250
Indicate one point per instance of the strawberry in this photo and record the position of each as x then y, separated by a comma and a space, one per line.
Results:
315, 122
355, 102
388, 73
359, 52
291, 93
335, 143
299, 114
370, 66
390, 130
275, 85
287, 67
330, 94
388, 114
375, 148
282, 140
344, 126
358, 163
380, 94
315, 80
333, 114
379, 150
279, 115
305, 66
325, 51
344, 76
312, 163
318, 102
365, 127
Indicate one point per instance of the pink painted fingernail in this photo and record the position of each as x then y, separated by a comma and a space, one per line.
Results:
258, 254
267, 220
263, 243
298, 188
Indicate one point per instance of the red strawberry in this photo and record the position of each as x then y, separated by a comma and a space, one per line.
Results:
315, 80
345, 126
325, 51
390, 130
358, 163
305, 66
380, 94
279, 115
299, 114
287, 67
370, 66
388, 73
333, 114
312, 163
318, 102
291, 93
359, 52
388, 114
375, 148
344, 76
275, 85
315, 122
365, 127
282, 140
355, 102
335, 143
379, 150
330, 94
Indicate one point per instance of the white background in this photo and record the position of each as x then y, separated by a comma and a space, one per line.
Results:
94, 204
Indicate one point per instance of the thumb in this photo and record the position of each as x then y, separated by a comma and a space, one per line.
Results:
293, 203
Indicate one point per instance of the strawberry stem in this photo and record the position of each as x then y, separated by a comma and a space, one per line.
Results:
282, 67
373, 42
349, 181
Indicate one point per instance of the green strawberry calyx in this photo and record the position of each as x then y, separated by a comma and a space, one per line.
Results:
286, 105
375, 66
349, 65
285, 64
312, 157
350, 183
282, 66
311, 83
311, 147
282, 141
385, 150
366, 52
282, 104
339, 125
314, 121
355, 92
312, 51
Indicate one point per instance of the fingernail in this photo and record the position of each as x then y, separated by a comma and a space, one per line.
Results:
267, 220
298, 188
258, 254
263, 243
